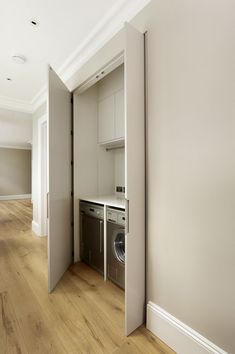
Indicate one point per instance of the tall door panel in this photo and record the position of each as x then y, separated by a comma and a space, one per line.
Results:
134, 179
60, 183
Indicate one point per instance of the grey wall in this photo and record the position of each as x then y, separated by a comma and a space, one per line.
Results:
15, 128
191, 163
15, 171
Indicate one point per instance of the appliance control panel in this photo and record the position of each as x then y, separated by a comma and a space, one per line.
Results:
112, 216
94, 210
116, 216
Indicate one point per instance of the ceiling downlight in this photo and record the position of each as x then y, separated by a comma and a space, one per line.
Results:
19, 58
33, 22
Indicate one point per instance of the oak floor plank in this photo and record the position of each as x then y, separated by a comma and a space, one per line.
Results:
83, 314
10, 338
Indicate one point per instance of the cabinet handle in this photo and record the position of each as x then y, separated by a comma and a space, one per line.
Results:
101, 246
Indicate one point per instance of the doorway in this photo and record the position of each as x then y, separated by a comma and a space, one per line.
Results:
42, 176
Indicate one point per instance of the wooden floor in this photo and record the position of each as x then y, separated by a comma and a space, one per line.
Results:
83, 315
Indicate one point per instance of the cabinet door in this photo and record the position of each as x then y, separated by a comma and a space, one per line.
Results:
134, 179
106, 125
119, 115
60, 186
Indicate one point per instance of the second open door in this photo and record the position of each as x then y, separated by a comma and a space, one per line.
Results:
134, 179
59, 179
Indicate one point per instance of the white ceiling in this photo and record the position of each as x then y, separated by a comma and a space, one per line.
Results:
63, 27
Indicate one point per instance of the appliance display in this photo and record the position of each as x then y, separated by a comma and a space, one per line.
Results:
116, 246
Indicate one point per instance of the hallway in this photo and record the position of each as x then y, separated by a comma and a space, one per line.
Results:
78, 317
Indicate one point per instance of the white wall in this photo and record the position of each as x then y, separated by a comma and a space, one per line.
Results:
191, 163
119, 167
41, 111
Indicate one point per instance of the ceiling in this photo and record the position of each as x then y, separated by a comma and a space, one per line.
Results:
63, 27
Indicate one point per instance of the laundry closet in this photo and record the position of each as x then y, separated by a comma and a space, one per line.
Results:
96, 139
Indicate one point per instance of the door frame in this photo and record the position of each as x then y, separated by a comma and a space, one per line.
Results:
42, 176
135, 265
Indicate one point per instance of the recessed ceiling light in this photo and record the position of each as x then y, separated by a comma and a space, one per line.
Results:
33, 22
8, 79
19, 59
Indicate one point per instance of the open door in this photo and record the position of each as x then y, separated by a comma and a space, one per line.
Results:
134, 179
59, 179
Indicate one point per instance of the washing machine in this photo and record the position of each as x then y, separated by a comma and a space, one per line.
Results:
116, 246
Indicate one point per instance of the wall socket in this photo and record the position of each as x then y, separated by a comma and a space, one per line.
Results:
120, 189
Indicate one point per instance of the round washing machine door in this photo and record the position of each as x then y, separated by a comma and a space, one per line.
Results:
119, 245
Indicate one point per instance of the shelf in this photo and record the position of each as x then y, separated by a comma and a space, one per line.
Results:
115, 144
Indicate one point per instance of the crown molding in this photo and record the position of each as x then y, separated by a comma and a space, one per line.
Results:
16, 105
123, 11
110, 24
39, 98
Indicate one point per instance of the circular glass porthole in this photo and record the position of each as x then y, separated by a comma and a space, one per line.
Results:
119, 246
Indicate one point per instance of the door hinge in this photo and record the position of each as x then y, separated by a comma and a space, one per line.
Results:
72, 224
71, 100
71, 194
71, 132
71, 163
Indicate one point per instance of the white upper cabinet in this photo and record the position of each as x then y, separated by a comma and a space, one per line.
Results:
106, 120
111, 107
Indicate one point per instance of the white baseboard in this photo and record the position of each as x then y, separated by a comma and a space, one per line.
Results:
178, 336
15, 197
36, 228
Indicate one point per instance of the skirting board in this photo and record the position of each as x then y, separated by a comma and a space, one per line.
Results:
15, 197
36, 228
178, 336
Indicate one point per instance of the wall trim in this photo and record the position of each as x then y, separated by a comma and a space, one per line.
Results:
16, 105
39, 98
176, 334
15, 197
110, 24
35, 228
18, 147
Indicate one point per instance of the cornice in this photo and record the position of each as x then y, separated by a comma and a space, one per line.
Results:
16, 105
110, 24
